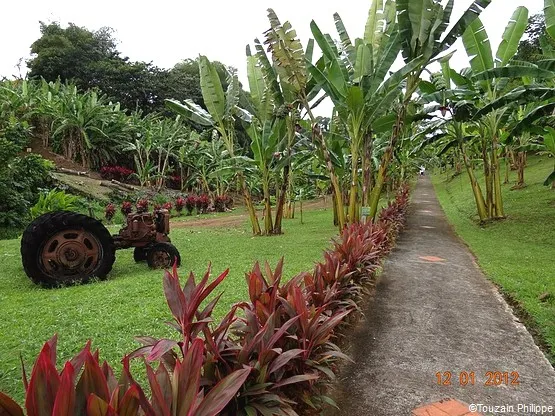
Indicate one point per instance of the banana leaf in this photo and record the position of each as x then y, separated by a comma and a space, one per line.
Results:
512, 35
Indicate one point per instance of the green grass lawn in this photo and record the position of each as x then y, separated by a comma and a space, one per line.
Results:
131, 301
518, 253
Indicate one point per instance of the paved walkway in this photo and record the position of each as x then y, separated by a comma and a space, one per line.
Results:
434, 311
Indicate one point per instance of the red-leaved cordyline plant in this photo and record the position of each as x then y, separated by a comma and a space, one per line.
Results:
285, 340
110, 211
179, 204
190, 203
94, 391
126, 208
220, 203
167, 206
202, 202
142, 205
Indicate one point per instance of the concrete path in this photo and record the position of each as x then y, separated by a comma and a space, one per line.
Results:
434, 311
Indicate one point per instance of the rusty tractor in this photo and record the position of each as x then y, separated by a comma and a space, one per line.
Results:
63, 248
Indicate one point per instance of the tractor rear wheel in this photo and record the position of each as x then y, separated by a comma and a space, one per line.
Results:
63, 248
163, 256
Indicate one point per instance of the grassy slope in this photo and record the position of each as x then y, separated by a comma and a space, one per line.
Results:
518, 253
131, 302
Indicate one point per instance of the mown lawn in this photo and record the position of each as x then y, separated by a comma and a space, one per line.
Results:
131, 301
518, 253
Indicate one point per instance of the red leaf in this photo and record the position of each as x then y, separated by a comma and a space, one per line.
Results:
130, 403
160, 386
43, 385
97, 407
160, 348
284, 358
92, 381
222, 393
296, 379
188, 377
174, 296
8, 407
64, 405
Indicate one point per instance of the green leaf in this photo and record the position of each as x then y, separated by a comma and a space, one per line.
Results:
345, 39
513, 71
212, 91
549, 11
534, 115
330, 52
373, 31
191, 111
519, 96
478, 47
512, 35
473, 11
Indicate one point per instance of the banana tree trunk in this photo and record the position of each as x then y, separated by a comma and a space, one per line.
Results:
498, 197
476, 190
337, 194
353, 197
367, 169
521, 165
488, 177
268, 223
281, 200
386, 160
507, 168
249, 204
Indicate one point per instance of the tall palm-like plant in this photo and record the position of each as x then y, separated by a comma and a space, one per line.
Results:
422, 25
223, 109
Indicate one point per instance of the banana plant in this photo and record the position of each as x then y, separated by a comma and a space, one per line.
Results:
222, 112
353, 77
422, 26
292, 88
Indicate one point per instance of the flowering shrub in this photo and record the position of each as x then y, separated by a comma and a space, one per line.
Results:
179, 204
126, 208
110, 211
118, 173
142, 205
274, 358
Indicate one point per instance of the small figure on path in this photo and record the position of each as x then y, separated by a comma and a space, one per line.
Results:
422, 170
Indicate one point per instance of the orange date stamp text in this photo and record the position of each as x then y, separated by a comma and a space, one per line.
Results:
472, 378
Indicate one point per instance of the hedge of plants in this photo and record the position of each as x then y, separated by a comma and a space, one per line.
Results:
273, 354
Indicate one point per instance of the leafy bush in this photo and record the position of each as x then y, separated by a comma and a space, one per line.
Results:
54, 200
20, 177
118, 173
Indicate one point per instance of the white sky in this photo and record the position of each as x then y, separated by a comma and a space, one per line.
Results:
166, 32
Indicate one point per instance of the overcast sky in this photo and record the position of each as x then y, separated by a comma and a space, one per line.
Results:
166, 32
